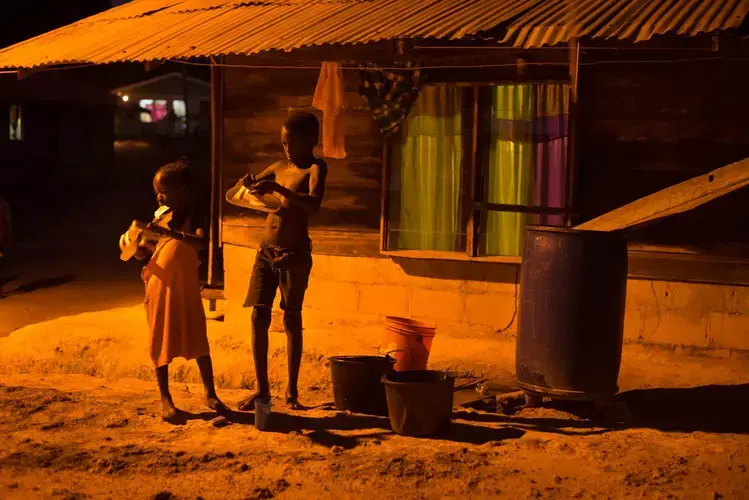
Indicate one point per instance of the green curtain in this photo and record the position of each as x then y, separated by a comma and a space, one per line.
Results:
427, 174
510, 167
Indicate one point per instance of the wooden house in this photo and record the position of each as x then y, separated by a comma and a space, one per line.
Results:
528, 112
53, 126
170, 105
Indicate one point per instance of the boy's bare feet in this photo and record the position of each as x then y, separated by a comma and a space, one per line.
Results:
292, 401
248, 403
168, 410
214, 403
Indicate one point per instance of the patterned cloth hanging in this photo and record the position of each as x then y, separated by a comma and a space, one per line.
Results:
390, 93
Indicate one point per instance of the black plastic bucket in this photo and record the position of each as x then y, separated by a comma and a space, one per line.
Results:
357, 383
420, 402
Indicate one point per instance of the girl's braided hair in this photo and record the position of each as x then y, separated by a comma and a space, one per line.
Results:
178, 173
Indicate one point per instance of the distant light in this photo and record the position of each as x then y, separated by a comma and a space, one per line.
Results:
125, 98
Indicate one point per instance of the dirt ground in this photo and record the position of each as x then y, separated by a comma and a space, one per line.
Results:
79, 406
72, 436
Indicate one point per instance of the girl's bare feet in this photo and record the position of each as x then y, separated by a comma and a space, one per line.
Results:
168, 410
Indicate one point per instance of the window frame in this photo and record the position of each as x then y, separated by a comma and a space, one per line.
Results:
21, 107
472, 203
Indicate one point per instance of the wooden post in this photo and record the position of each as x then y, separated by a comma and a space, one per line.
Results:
186, 97
572, 149
217, 147
471, 227
384, 197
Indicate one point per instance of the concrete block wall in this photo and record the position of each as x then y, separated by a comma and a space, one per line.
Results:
478, 300
691, 314
359, 290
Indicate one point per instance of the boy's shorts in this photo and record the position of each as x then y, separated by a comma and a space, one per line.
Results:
287, 271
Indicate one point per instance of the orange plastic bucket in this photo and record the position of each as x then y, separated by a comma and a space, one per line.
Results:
409, 342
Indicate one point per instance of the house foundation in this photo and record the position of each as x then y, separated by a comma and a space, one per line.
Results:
479, 300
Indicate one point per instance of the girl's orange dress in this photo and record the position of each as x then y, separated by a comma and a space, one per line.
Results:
174, 308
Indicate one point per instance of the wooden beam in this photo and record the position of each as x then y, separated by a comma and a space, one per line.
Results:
503, 207
215, 273
675, 199
324, 241
24, 73
152, 65
686, 268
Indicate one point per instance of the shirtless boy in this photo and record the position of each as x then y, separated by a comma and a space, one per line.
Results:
284, 259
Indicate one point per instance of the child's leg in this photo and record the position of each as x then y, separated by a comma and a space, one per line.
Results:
205, 365
260, 297
293, 285
261, 319
168, 408
292, 322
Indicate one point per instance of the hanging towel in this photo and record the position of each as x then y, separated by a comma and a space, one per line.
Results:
329, 99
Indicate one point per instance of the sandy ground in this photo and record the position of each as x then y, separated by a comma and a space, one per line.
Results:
70, 435
68, 263
79, 406
64, 257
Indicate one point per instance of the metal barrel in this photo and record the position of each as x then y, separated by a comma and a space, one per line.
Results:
573, 287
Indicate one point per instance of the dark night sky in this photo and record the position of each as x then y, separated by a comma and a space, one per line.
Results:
28, 18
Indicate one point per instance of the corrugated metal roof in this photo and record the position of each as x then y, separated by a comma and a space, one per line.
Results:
556, 21
145, 30
164, 29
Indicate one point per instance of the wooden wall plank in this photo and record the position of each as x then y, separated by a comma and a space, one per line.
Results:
645, 127
345, 243
257, 103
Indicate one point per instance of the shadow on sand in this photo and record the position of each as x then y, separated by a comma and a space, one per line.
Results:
321, 430
712, 408
35, 285
715, 409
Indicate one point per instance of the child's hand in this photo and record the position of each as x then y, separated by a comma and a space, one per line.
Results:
247, 181
264, 187
156, 229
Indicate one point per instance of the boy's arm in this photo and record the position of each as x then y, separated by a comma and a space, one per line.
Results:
310, 202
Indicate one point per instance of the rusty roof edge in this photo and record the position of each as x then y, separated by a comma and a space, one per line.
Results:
521, 28
500, 32
228, 6
92, 20
63, 64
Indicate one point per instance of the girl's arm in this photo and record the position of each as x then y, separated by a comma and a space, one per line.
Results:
145, 248
196, 240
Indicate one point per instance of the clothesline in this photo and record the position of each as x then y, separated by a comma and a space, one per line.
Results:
420, 68
474, 66
584, 48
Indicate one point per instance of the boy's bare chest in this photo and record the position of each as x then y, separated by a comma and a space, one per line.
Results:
293, 178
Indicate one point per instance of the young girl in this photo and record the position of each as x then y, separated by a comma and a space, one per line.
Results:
174, 308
